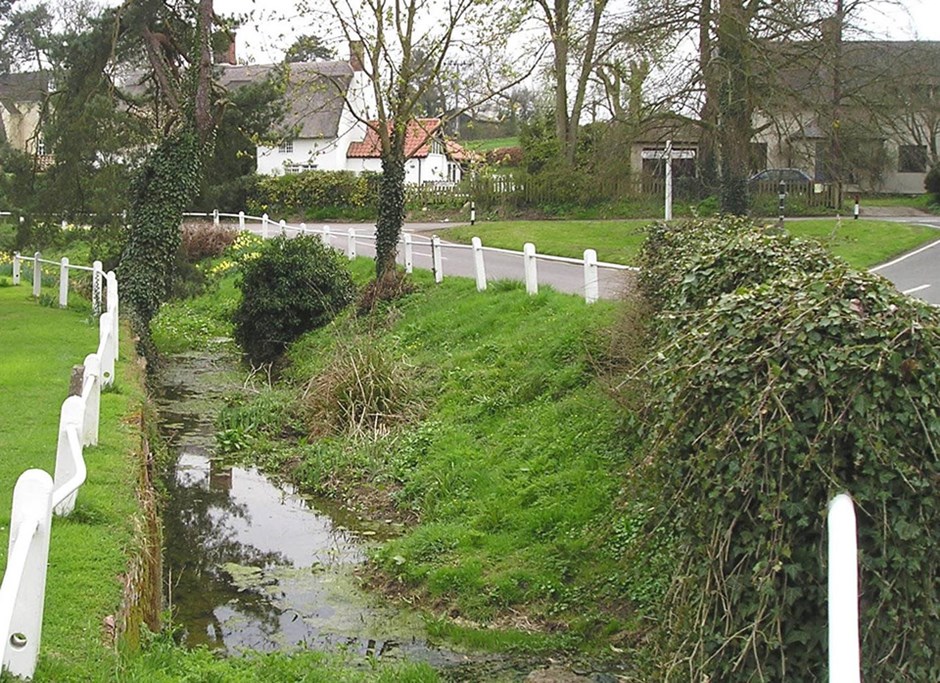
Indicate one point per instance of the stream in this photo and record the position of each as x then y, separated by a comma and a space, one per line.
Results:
252, 565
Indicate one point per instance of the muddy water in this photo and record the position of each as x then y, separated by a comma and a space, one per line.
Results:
254, 566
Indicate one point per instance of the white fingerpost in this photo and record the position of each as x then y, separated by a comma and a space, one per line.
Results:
96, 275
478, 265
437, 261
241, 220
351, 243
22, 595
591, 285
91, 393
668, 211
264, 225
37, 275
844, 657
215, 217
17, 264
409, 253
64, 282
112, 299
70, 469
283, 225
531, 270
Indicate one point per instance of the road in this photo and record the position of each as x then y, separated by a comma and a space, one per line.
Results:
916, 273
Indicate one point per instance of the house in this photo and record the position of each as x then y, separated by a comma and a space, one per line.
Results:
22, 97
430, 158
877, 111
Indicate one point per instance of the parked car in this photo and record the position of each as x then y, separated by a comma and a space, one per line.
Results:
773, 176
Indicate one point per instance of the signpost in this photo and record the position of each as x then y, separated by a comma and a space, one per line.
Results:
668, 155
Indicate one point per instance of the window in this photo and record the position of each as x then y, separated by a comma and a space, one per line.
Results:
40, 146
286, 147
912, 159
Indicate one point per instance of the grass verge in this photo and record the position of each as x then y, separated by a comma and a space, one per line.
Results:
89, 550
863, 243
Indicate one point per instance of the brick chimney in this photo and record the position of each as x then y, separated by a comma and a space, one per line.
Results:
356, 54
225, 50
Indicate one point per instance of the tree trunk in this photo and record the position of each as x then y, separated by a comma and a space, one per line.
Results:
391, 208
734, 106
708, 115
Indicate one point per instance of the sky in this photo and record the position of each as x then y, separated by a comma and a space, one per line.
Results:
273, 24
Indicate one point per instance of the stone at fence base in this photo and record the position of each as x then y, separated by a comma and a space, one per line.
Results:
77, 380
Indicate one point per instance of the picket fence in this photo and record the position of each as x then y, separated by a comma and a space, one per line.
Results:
37, 495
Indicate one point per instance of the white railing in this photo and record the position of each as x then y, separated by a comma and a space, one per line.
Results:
530, 258
37, 495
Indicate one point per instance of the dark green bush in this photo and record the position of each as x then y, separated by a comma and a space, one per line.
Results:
932, 182
783, 377
291, 286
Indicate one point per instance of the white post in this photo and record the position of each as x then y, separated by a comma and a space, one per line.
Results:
409, 253
96, 274
91, 393
437, 261
283, 225
112, 300
37, 275
326, 235
23, 598
668, 180
303, 228
70, 469
478, 264
241, 221
844, 657
264, 226
531, 271
591, 285
17, 264
106, 347
215, 217
64, 282
351, 244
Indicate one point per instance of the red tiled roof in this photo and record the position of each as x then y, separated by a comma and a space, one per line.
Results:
457, 152
418, 137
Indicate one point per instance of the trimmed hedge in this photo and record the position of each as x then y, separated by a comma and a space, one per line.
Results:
315, 194
783, 377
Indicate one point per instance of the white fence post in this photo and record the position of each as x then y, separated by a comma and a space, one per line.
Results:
437, 261
106, 347
91, 394
844, 656
64, 282
112, 300
37, 275
264, 226
303, 228
409, 253
531, 270
478, 265
591, 285
69, 463
17, 264
283, 225
96, 275
22, 595
241, 221
326, 235
215, 217
351, 244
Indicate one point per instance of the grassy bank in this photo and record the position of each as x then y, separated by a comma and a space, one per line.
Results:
89, 550
863, 243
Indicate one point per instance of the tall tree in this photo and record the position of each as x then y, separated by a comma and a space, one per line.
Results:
405, 45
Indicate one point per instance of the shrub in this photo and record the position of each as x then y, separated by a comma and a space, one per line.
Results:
291, 286
202, 240
932, 182
783, 377
314, 193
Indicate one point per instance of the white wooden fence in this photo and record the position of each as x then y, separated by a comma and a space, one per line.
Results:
37, 495
353, 238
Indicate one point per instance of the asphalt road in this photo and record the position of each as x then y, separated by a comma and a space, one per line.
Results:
916, 273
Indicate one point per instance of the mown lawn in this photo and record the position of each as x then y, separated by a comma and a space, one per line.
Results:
89, 550
863, 243
492, 143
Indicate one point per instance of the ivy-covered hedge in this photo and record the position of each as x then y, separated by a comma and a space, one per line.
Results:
315, 194
783, 377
